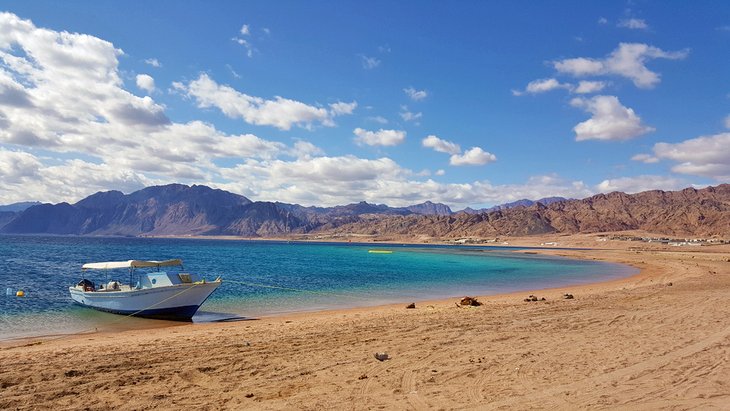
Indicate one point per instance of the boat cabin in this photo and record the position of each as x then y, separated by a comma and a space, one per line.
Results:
144, 280
164, 279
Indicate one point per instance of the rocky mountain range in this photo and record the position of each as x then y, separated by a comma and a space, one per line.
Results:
178, 209
518, 203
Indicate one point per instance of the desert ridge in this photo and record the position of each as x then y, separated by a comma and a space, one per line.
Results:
655, 340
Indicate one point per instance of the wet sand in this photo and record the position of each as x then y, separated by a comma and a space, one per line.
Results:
657, 340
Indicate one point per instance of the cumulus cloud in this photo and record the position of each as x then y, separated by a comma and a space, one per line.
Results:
245, 30
26, 178
641, 183
333, 181
634, 24
589, 87
415, 95
146, 82
541, 86
380, 137
282, 113
305, 150
475, 156
442, 146
610, 120
341, 108
17, 166
62, 93
628, 60
707, 156
63, 88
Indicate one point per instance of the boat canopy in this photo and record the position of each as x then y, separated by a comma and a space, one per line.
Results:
131, 264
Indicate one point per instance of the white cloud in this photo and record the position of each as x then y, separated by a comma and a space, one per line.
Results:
588, 87
440, 172
638, 184
51, 77
379, 119
280, 112
628, 60
245, 30
407, 115
380, 137
442, 146
234, 73
246, 44
602, 20
369, 63
146, 82
341, 108
634, 24
415, 95
707, 156
475, 156
16, 167
305, 150
153, 62
610, 120
541, 86
549, 84
26, 178
62, 93
330, 181
645, 158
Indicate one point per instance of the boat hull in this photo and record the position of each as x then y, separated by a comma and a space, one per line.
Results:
178, 303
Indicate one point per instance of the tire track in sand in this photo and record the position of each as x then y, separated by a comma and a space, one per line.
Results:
649, 364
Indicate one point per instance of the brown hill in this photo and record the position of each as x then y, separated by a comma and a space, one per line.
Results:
689, 212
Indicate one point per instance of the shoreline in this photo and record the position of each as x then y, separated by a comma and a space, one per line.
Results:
117, 323
658, 339
523, 246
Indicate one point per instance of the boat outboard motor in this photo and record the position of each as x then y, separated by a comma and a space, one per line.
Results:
86, 285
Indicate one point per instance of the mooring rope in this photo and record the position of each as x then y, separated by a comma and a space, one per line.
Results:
111, 322
248, 284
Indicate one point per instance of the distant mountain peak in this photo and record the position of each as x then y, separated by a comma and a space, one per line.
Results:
17, 207
430, 208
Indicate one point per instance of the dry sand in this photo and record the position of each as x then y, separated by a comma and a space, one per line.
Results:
637, 343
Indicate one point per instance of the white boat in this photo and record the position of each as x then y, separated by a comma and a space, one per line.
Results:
156, 294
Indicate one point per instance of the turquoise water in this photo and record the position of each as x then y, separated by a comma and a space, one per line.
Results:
325, 275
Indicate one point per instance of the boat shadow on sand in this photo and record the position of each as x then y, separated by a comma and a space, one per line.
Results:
216, 317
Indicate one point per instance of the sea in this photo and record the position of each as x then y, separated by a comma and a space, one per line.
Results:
265, 278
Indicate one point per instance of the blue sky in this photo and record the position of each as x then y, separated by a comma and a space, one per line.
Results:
324, 103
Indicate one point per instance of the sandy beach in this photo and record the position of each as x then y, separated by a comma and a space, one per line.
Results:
658, 340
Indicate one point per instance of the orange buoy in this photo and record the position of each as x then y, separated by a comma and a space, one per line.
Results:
20, 293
